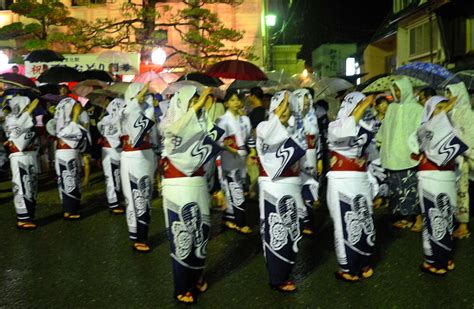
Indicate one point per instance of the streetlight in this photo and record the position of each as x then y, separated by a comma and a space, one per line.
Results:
158, 56
270, 21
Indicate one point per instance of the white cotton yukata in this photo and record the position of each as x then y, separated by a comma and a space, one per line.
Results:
68, 159
280, 201
23, 161
109, 128
137, 163
189, 143
349, 195
307, 126
234, 167
440, 145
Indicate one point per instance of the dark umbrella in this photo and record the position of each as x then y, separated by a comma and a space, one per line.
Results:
98, 75
17, 80
202, 78
430, 73
44, 55
236, 69
249, 84
60, 74
49, 89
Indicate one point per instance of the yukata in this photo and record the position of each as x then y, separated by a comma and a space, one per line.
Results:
109, 128
137, 163
440, 145
462, 118
189, 142
234, 168
309, 131
72, 138
19, 129
280, 201
349, 194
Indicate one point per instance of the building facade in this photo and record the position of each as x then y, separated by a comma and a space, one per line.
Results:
436, 31
246, 17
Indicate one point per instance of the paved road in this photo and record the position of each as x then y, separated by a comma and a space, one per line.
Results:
90, 264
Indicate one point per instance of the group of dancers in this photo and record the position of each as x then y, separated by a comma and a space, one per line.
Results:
286, 149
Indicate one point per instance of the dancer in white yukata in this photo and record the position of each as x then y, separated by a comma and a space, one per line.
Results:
110, 129
189, 143
307, 124
238, 142
23, 159
280, 201
137, 164
439, 145
349, 195
72, 138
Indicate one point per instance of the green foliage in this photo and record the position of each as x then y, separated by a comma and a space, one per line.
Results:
41, 32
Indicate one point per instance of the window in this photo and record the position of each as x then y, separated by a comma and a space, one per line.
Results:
423, 40
5, 4
400, 5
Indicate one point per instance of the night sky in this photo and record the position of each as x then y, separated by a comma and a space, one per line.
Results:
315, 22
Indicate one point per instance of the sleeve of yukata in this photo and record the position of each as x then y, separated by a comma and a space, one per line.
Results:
342, 129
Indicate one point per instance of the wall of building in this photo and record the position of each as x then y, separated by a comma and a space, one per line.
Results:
330, 59
376, 61
246, 17
284, 58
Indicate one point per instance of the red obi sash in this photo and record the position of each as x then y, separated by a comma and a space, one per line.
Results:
127, 147
170, 171
341, 163
427, 165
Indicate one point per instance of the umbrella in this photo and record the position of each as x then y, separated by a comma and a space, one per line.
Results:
99, 97
249, 84
53, 98
60, 74
17, 80
98, 75
462, 76
430, 73
236, 69
384, 84
329, 86
172, 88
119, 88
280, 77
158, 82
202, 78
113, 56
83, 88
44, 55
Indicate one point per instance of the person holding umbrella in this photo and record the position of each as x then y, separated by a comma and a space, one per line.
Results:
19, 129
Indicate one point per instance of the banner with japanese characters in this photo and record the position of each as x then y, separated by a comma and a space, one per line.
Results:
129, 64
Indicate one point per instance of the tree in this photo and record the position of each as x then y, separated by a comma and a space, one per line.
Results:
44, 30
198, 27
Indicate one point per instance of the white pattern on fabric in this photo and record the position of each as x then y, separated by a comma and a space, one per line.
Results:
141, 195
278, 232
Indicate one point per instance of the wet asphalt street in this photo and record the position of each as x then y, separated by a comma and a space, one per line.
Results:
91, 264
